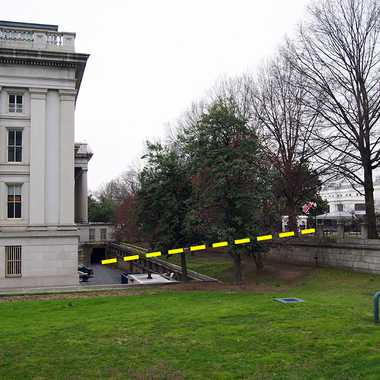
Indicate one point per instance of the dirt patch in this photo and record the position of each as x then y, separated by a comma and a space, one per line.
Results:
274, 274
288, 273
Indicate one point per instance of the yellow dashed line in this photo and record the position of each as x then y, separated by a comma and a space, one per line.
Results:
109, 261
286, 234
242, 241
220, 244
174, 251
153, 254
130, 258
308, 231
264, 237
197, 247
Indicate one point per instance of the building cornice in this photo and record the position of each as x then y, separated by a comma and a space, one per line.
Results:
73, 60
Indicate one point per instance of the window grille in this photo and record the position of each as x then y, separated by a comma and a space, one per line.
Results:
13, 261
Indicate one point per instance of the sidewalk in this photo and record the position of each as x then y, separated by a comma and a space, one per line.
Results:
61, 289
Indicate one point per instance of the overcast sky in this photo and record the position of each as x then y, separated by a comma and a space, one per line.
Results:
150, 59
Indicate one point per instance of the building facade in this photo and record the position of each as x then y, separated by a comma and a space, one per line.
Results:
41, 170
343, 197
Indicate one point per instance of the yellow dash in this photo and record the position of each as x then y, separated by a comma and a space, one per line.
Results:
220, 244
242, 241
109, 261
308, 231
152, 254
264, 237
174, 251
286, 234
130, 258
197, 247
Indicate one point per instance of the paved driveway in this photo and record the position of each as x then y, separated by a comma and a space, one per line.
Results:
103, 274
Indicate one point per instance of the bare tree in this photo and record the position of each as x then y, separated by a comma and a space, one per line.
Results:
120, 188
236, 93
337, 52
287, 125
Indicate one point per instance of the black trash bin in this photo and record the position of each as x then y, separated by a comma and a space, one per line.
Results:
124, 278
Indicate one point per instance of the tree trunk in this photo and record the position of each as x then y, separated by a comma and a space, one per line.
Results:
258, 257
184, 266
237, 265
292, 216
369, 203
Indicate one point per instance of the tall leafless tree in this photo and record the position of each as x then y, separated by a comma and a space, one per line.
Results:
287, 125
236, 93
337, 52
120, 188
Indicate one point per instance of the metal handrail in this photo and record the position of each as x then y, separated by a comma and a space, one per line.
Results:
376, 298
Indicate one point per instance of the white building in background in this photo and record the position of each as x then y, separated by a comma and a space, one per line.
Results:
344, 203
345, 200
40, 76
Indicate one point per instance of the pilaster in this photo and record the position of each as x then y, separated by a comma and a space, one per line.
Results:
37, 156
84, 197
66, 159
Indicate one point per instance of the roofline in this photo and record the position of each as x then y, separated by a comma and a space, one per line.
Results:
47, 58
28, 25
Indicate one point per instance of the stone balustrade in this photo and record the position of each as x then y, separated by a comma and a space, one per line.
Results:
35, 39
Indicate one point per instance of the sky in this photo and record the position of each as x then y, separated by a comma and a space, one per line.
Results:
150, 59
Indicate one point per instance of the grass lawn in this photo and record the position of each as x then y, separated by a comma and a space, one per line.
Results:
208, 334
217, 265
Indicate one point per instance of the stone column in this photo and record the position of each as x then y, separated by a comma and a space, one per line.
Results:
83, 197
66, 159
37, 156
340, 229
77, 197
364, 230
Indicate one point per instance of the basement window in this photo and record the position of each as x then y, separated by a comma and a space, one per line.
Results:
13, 261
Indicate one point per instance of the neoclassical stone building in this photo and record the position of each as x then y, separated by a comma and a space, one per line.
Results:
41, 169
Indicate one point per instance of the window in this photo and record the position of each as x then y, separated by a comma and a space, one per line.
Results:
339, 207
359, 206
15, 103
103, 234
14, 145
91, 233
14, 201
13, 261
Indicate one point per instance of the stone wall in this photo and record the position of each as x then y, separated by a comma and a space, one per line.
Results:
355, 254
84, 232
46, 261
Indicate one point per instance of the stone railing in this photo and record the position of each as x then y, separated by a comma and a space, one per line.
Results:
13, 38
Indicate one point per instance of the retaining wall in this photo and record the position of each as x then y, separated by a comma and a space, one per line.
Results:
355, 254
